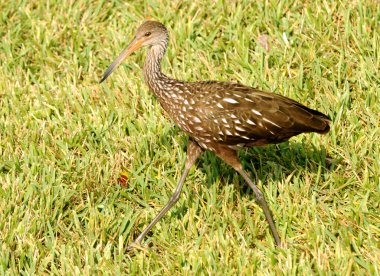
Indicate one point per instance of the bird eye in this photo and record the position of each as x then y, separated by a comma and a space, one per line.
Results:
147, 34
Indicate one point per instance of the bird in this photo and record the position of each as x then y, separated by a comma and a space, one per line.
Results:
221, 117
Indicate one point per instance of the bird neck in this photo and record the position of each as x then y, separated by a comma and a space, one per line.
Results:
155, 79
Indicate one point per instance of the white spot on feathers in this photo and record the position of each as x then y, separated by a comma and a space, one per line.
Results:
196, 119
251, 122
239, 128
269, 121
230, 100
256, 112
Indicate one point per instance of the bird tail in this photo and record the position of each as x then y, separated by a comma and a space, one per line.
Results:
327, 122
319, 122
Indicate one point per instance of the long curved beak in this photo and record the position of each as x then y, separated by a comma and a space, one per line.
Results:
133, 46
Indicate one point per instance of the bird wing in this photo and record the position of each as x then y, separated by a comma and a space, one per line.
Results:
234, 114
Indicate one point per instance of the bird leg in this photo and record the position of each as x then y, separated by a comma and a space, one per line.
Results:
231, 158
193, 152
263, 204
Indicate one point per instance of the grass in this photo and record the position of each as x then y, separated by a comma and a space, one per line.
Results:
65, 140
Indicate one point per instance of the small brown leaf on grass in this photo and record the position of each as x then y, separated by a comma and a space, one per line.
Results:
122, 180
263, 41
95, 95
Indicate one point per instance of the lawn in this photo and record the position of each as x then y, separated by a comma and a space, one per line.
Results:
65, 140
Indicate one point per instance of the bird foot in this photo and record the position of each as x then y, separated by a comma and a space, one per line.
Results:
134, 246
131, 247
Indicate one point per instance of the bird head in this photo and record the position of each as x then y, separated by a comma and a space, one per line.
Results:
150, 33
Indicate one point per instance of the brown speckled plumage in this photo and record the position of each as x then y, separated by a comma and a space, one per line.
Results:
219, 116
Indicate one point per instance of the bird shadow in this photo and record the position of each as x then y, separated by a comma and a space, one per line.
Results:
271, 163
268, 163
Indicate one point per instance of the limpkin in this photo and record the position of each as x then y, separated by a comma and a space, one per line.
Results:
220, 117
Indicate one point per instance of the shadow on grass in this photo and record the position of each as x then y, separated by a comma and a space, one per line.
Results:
271, 162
